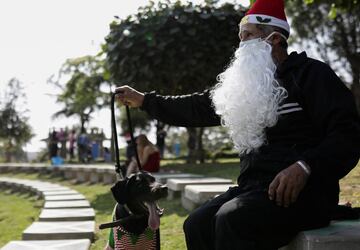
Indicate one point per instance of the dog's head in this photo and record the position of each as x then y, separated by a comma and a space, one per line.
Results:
140, 192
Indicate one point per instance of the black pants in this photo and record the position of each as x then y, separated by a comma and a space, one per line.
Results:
244, 218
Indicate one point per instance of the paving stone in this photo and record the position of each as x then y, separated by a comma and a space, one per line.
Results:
339, 235
49, 193
65, 197
66, 204
71, 214
176, 186
163, 177
82, 244
60, 230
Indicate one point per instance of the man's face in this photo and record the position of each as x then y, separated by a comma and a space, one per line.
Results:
249, 31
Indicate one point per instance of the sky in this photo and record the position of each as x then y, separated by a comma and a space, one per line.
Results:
37, 36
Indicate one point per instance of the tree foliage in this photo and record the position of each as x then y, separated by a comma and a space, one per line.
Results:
173, 47
336, 35
15, 130
82, 93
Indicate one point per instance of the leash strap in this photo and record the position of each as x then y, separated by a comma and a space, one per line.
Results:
118, 168
132, 137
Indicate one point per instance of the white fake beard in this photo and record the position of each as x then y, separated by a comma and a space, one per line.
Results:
247, 96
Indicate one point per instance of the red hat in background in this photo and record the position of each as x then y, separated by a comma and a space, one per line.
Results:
267, 12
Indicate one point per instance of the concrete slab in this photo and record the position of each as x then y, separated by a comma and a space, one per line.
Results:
109, 176
95, 177
162, 178
82, 244
46, 189
176, 186
40, 191
82, 176
60, 230
71, 214
49, 193
189, 205
339, 235
66, 204
65, 197
69, 174
201, 193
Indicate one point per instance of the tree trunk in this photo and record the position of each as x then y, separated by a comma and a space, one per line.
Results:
191, 145
8, 152
199, 144
82, 121
195, 145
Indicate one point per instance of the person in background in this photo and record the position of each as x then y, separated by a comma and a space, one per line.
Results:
53, 144
72, 139
83, 144
149, 156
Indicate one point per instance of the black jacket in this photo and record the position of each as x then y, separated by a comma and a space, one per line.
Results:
318, 122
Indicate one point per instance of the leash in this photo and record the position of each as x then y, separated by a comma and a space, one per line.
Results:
118, 168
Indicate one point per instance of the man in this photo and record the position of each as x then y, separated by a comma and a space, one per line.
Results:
296, 128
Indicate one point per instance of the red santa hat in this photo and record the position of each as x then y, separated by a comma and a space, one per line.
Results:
267, 12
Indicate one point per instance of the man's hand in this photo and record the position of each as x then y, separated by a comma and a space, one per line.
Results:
287, 185
129, 96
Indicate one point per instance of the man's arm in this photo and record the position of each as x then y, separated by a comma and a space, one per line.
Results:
331, 106
193, 110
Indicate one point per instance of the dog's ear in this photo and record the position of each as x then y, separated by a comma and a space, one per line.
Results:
119, 191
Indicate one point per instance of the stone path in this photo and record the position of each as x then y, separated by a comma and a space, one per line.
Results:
83, 244
66, 221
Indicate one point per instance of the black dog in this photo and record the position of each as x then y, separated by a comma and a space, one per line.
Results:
136, 210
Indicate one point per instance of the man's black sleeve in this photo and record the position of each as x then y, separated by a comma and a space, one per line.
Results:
331, 107
193, 110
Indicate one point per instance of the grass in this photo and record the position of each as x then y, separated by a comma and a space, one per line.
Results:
172, 237
17, 212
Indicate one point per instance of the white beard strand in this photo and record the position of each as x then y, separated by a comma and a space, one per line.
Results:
247, 96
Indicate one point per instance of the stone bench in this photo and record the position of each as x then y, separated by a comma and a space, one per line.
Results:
177, 186
163, 177
195, 195
82, 244
339, 235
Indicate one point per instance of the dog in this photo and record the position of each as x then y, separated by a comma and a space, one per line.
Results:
136, 214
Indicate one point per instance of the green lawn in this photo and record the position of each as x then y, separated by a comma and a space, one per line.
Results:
17, 212
99, 195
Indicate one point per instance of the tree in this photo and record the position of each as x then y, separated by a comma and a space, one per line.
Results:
174, 48
334, 28
82, 93
15, 130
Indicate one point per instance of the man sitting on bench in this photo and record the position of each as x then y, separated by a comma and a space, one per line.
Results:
294, 124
